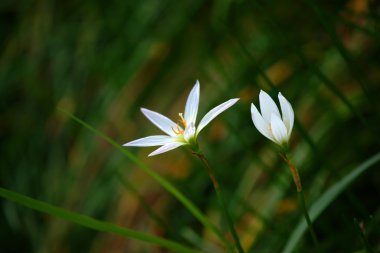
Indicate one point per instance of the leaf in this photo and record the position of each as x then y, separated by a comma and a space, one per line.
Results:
326, 199
90, 222
160, 180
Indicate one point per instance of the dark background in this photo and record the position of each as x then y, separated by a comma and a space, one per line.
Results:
103, 60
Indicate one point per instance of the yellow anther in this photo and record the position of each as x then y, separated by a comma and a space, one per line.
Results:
182, 122
178, 130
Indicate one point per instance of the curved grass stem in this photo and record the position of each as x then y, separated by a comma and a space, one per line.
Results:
301, 197
221, 200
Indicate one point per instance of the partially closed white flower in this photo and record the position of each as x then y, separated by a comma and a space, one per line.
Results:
182, 133
270, 123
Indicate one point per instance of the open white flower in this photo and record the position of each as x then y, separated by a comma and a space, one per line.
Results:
182, 133
269, 122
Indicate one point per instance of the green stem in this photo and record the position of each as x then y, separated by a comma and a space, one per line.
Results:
160, 180
301, 197
89, 222
221, 200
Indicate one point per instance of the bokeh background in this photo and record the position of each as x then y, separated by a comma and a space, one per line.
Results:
103, 60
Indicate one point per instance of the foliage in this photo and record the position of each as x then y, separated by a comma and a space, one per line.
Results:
102, 61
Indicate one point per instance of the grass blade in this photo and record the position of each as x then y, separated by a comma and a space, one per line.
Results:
89, 222
147, 208
160, 180
326, 199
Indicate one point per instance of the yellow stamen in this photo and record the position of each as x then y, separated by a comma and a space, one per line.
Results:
182, 122
178, 130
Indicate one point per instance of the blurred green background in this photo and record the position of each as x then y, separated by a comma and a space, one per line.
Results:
103, 60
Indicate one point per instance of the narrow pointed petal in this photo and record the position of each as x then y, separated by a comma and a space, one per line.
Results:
154, 140
287, 113
267, 106
189, 132
191, 108
279, 130
166, 148
162, 122
215, 112
260, 123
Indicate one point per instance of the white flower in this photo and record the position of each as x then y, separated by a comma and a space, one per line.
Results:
269, 122
183, 133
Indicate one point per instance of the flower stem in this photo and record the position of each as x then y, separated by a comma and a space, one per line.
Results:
301, 197
221, 200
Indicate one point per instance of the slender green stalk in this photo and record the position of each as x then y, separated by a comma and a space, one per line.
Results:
160, 180
327, 198
90, 222
301, 197
221, 200
148, 209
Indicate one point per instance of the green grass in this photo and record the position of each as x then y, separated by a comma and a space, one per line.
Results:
100, 62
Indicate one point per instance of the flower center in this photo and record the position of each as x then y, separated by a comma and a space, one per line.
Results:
180, 125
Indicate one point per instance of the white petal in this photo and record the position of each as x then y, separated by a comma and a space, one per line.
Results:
267, 106
191, 108
162, 122
278, 130
260, 123
287, 113
189, 132
154, 140
166, 148
215, 112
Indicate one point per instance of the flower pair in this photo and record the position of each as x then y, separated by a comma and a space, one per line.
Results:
269, 122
